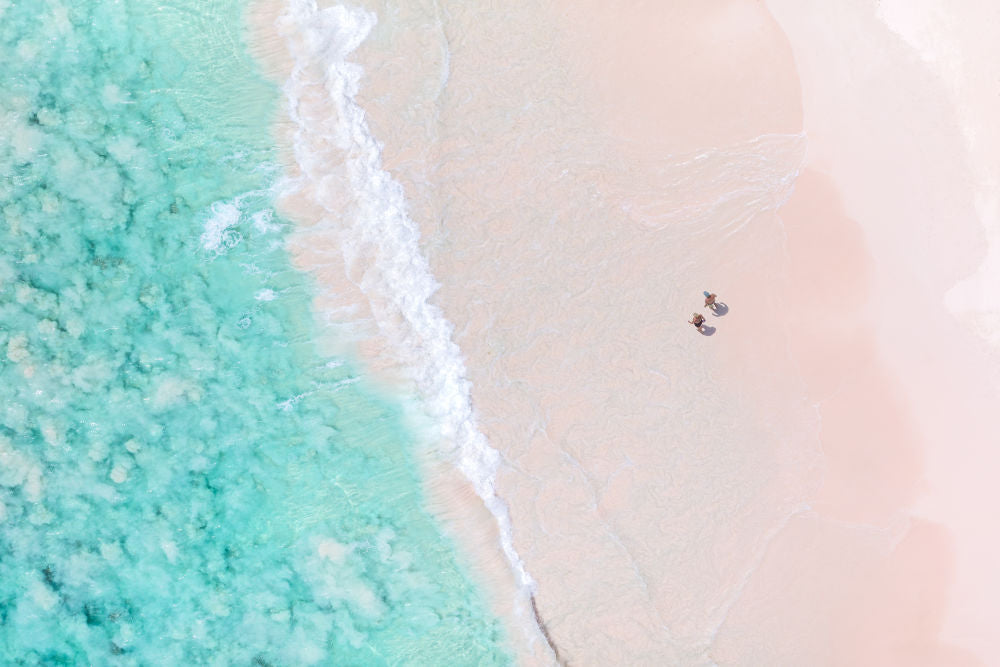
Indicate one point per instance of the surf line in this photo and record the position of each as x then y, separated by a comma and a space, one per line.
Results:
381, 242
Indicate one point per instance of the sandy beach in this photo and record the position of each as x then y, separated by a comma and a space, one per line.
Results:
806, 482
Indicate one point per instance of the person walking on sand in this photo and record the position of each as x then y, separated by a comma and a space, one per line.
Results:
698, 321
709, 300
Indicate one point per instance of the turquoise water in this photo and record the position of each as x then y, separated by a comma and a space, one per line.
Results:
182, 479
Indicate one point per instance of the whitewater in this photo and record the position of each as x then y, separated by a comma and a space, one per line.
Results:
381, 243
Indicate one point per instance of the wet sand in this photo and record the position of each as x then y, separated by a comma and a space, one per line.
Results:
570, 257
807, 484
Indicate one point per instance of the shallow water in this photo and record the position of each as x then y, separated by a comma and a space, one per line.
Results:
183, 479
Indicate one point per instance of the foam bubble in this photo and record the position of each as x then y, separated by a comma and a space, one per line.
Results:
118, 474
42, 595
17, 348
26, 142
19, 470
220, 233
111, 551
33, 484
98, 451
332, 550
261, 221
224, 215
170, 550
169, 391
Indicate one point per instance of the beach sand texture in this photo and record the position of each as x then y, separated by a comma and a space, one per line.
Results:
808, 484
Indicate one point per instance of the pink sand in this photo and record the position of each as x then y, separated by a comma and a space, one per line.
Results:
808, 485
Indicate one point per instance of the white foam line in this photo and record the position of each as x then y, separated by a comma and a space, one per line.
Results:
380, 240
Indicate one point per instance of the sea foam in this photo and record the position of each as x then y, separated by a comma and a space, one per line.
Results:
380, 241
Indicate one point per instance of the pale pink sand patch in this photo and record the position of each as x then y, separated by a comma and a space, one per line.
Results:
830, 594
871, 452
823, 593
890, 127
685, 74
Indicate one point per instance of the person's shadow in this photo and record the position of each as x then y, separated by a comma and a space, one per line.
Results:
706, 330
720, 309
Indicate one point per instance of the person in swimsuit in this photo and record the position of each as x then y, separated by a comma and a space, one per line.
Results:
698, 321
709, 300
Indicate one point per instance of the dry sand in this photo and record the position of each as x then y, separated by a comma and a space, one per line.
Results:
891, 130
808, 484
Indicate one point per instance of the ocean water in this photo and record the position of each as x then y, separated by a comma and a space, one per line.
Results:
183, 478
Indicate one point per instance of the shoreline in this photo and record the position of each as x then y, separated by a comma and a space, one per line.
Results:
367, 327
